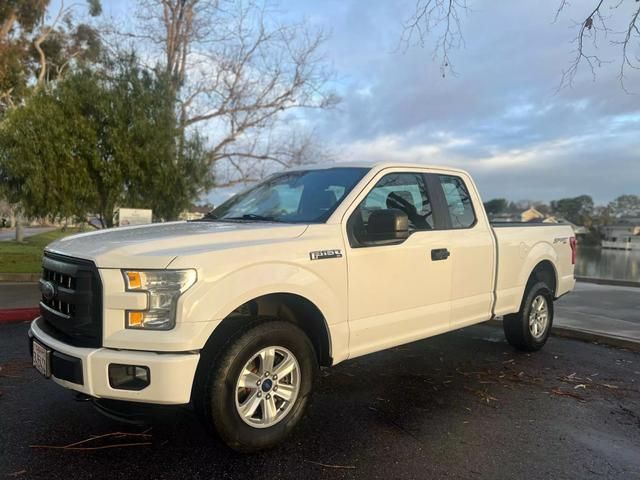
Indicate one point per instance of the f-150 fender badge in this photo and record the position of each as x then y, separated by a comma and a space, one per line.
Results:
560, 239
324, 254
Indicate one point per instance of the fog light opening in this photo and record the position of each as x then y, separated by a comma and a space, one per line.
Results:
129, 377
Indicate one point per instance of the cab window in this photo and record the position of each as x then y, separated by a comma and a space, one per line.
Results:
406, 192
459, 205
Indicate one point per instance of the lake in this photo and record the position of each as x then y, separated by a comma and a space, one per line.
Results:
604, 263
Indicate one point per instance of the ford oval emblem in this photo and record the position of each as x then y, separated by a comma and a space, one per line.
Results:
48, 290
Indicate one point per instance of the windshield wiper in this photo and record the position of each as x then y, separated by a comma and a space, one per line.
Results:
253, 217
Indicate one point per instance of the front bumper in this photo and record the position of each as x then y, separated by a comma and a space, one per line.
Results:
85, 370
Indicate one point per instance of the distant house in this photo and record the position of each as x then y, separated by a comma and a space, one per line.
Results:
504, 217
196, 212
624, 235
532, 215
578, 230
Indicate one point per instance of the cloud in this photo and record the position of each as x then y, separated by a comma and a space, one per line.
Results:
501, 116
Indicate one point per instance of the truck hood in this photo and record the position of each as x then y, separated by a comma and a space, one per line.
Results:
157, 245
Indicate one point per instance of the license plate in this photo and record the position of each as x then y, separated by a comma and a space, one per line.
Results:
42, 359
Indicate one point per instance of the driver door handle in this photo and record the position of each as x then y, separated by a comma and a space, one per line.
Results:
439, 254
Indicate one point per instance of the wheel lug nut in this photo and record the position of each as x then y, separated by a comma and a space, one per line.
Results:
268, 397
258, 383
259, 394
266, 374
275, 388
275, 377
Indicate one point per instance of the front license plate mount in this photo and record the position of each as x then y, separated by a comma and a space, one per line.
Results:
42, 359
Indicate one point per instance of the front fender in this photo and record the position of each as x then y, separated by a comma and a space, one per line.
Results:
213, 299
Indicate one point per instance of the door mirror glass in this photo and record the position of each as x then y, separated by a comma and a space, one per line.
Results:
387, 225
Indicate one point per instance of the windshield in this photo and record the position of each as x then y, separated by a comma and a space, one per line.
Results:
303, 196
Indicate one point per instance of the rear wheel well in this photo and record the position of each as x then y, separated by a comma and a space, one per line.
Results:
283, 306
546, 273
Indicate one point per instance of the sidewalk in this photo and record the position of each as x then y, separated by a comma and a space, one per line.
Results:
7, 234
602, 310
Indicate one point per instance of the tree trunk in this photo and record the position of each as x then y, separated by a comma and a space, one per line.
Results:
19, 232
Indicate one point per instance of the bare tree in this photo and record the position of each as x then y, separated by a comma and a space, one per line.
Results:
235, 72
595, 25
289, 147
442, 19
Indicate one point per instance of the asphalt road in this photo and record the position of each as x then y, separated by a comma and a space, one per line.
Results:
10, 234
461, 405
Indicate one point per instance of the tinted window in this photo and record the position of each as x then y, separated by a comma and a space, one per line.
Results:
304, 196
459, 203
402, 191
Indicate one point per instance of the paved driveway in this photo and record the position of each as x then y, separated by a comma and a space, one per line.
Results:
460, 406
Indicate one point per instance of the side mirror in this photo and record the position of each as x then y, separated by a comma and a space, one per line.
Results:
387, 226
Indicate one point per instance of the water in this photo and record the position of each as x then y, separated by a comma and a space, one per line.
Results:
604, 263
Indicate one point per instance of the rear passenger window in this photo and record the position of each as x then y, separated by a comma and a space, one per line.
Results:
459, 204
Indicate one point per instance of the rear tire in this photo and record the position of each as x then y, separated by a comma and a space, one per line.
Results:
240, 399
529, 328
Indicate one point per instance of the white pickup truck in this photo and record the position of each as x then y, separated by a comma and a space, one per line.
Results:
235, 312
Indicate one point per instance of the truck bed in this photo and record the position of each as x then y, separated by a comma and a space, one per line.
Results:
520, 247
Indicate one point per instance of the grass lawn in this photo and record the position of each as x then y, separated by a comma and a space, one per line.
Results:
26, 257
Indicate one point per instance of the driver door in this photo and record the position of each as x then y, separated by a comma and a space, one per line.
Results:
397, 292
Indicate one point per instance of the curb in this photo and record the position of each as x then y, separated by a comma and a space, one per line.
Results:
18, 315
20, 277
609, 281
587, 336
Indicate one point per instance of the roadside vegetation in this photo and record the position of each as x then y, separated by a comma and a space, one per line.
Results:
192, 94
26, 257
580, 211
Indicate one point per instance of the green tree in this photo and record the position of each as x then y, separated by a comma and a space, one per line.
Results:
496, 205
625, 206
35, 49
99, 139
577, 210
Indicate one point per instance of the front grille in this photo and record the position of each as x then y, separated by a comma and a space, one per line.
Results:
71, 303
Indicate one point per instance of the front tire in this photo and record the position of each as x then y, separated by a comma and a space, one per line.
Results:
529, 328
259, 386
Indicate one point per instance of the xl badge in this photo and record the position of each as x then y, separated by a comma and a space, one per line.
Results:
48, 290
322, 254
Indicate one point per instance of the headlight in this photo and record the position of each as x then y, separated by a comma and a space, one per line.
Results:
163, 288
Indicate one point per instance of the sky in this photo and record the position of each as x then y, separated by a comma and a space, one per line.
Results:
501, 116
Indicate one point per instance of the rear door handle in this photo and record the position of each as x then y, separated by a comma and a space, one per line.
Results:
439, 254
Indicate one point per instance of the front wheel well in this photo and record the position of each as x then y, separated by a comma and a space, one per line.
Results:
283, 306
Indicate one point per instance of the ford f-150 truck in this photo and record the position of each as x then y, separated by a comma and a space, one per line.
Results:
236, 312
